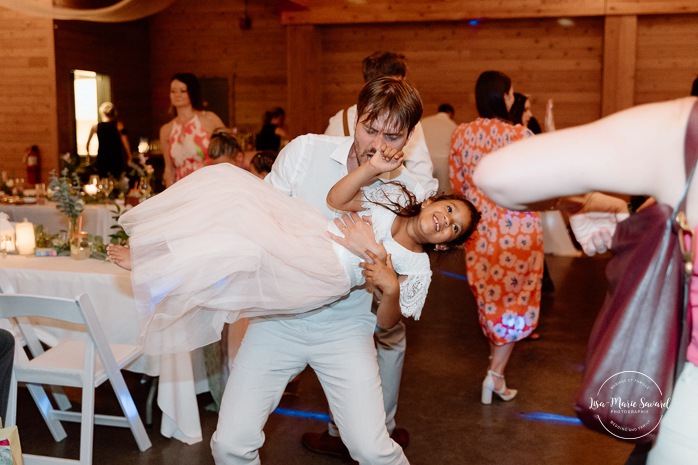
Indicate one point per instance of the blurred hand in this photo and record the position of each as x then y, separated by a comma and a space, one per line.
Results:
549, 123
594, 230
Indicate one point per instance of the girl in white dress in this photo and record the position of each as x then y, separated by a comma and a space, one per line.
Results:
221, 244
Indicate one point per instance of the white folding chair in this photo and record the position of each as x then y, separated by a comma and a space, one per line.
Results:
85, 363
35, 349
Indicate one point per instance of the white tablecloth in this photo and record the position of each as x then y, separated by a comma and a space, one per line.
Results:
98, 218
109, 288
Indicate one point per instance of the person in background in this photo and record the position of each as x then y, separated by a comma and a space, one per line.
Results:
616, 154
7, 358
185, 138
521, 114
391, 342
438, 129
261, 163
185, 141
114, 151
273, 134
225, 148
504, 259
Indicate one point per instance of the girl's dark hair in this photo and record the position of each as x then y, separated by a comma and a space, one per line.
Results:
263, 161
193, 89
489, 95
413, 207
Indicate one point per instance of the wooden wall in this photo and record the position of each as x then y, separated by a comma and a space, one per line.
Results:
667, 57
27, 92
543, 59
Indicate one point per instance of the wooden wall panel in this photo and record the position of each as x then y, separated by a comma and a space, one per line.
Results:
620, 37
28, 92
395, 11
204, 38
667, 57
543, 58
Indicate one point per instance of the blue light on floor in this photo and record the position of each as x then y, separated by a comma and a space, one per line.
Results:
300, 413
551, 418
454, 275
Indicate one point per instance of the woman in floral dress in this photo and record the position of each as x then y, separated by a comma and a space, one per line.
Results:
185, 139
504, 258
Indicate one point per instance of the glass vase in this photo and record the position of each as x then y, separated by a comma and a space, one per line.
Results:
79, 240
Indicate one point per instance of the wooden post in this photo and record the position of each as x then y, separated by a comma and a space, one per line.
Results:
304, 75
619, 57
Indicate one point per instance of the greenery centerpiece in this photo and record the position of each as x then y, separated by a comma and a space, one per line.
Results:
66, 191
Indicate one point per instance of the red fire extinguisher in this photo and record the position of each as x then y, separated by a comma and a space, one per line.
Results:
33, 163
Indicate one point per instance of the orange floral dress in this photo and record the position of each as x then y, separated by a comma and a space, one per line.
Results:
504, 257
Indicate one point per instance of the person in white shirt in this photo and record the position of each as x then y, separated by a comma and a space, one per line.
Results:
438, 129
336, 340
391, 342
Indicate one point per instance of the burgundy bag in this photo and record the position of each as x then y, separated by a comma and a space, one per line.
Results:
634, 346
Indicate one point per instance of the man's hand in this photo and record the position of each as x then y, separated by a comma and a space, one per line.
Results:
358, 236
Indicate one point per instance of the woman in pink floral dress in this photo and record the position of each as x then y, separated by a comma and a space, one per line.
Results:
504, 257
185, 139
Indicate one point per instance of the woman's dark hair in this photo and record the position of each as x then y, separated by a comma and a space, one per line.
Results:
276, 112
193, 89
413, 207
694, 89
489, 95
518, 108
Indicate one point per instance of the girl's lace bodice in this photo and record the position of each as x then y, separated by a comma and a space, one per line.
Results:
415, 266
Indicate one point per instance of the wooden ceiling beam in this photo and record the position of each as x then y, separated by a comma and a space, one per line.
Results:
400, 11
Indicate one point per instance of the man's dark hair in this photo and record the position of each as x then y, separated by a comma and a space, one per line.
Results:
392, 96
384, 64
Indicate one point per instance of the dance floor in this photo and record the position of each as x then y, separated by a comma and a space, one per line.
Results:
446, 361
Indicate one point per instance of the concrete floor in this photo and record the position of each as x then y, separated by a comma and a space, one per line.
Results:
439, 402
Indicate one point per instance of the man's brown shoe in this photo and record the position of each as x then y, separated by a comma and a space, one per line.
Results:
323, 443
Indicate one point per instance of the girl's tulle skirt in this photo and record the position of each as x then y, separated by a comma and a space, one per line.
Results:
221, 244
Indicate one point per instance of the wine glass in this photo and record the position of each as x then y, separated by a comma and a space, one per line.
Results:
106, 186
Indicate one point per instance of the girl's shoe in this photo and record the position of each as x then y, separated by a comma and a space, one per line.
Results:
488, 388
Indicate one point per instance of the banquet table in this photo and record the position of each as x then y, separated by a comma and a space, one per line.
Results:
98, 218
109, 288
